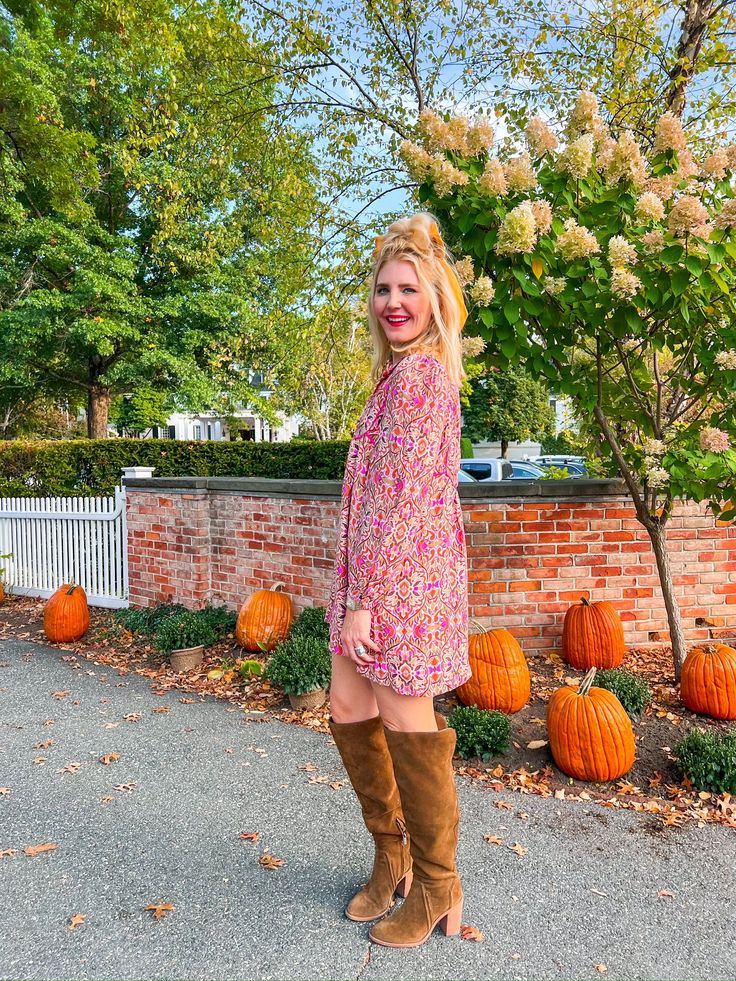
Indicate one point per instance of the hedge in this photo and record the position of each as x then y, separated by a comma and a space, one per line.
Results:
54, 468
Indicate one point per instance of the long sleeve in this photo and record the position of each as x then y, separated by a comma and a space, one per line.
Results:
393, 535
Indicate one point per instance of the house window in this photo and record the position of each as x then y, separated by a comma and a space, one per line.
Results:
198, 432
209, 430
171, 434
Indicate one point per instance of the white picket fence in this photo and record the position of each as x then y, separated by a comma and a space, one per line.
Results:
53, 540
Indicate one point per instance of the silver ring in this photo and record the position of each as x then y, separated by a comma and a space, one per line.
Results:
359, 649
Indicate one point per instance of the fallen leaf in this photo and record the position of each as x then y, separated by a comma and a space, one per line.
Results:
161, 709
160, 910
468, 932
310, 767
124, 787
518, 849
271, 862
601, 968
39, 760
132, 717
7, 853
4, 791
70, 768
515, 957
665, 894
493, 839
536, 744
76, 920
49, 722
704, 795
34, 850
107, 800
187, 701
44, 745
250, 835
58, 695
503, 805
337, 784
109, 758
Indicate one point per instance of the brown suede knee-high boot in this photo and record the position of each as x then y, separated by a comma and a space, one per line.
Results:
423, 768
362, 746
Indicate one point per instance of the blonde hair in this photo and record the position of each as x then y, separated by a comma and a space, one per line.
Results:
417, 240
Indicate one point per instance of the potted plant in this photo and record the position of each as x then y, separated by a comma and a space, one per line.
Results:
301, 666
184, 636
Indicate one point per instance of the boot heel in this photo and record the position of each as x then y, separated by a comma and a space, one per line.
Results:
404, 885
450, 922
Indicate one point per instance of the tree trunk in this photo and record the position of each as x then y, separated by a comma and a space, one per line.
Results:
658, 537
98, 409
697, 14
504, 447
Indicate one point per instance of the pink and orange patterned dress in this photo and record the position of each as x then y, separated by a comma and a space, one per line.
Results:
401, 551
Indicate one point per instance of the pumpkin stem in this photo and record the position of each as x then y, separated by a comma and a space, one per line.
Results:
277, 587
72, 587
586, 682
585, 601
483, 630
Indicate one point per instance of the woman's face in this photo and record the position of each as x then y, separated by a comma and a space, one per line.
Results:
400, 305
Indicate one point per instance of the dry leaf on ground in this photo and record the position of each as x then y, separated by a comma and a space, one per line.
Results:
7, 853
33, 850
493, 839
76, 920
4, 791
271, 862
250, 835
132, 717
518, 849
665, 894
109, 758
468, 932
601, 968
160, 910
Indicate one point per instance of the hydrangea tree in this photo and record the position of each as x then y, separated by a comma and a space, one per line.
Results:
608, 268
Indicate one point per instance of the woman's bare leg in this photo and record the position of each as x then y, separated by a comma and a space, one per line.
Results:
405, 713
351, 695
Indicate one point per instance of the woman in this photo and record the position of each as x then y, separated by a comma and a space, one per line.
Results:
398, 604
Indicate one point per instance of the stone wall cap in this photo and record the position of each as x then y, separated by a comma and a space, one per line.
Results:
581, 488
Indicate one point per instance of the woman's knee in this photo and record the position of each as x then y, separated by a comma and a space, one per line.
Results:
351, 695
405, 713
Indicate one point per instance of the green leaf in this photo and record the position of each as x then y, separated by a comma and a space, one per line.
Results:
511, 310
680, 279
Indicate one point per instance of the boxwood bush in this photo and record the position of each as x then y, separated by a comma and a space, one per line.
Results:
708, 759
633, 693
480, 732
311, 623
300, 664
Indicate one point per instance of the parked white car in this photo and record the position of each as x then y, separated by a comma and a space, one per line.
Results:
487, 468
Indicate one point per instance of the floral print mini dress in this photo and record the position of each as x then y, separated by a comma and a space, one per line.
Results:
401, 551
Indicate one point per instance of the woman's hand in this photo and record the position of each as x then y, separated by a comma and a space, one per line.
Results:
356, 631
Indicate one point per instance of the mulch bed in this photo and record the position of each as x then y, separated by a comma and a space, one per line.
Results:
653, 785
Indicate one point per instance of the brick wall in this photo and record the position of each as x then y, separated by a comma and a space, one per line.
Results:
529, 557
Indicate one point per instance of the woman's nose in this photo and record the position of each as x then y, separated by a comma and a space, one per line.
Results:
394, 299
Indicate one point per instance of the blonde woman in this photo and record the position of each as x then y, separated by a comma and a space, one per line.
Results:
398, 609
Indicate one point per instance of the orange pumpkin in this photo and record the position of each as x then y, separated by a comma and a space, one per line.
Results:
264, 619
66, 616
590, 734
708, 681
500, 673
593, 636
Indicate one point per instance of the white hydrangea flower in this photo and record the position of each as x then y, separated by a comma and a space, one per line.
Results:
657, 477
483, 291
726, 359
621, 252
624, 284
649, 207
518, 231
554, 285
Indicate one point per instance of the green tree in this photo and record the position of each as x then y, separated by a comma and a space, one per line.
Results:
508, 406
612, 274
146, 236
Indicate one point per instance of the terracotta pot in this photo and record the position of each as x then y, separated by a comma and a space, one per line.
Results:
2, 591
310, 700
186, 658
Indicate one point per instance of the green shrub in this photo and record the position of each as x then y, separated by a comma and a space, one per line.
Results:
633, 693
145, 620
184, 629
54, 468
220, 619
708, 760
480, 732
466, 447
311, 623
300, 664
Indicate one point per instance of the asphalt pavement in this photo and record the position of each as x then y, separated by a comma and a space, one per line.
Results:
162, 824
